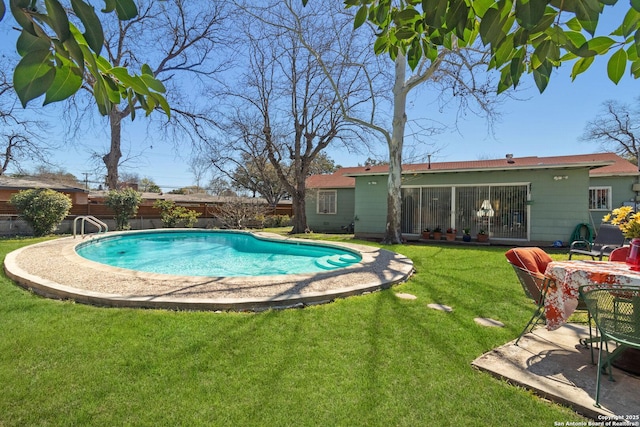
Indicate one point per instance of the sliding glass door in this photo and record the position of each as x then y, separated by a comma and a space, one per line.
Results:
500, 210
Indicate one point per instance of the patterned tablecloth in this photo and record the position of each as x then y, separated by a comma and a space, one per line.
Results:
562, 299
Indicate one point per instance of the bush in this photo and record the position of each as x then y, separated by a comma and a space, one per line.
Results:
43, 209
273, 221
124, 204
171, 215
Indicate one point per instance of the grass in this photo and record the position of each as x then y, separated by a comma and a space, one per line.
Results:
372, 360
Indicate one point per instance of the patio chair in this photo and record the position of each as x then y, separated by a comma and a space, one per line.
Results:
529, 263
616, 312
619, 254
608, 238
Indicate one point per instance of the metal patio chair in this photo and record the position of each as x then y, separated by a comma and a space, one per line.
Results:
616, 313
608, 238
529, 264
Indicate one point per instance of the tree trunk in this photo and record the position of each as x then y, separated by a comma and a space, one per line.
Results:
299, 210
112, 158
393, 234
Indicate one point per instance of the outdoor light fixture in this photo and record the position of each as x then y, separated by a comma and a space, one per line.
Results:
486, 210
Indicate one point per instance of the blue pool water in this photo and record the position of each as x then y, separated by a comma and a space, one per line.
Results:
213, 253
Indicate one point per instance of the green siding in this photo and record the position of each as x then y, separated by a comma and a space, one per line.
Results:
330, 223
557, 206
371, 204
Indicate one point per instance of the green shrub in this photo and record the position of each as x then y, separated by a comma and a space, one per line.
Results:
124, 204
172, 215
43, 209
272, 221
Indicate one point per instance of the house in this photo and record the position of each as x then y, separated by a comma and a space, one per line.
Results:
527, 200
10, 185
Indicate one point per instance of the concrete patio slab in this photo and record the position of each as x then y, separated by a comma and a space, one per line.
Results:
555, 366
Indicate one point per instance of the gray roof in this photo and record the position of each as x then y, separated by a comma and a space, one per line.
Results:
11, 183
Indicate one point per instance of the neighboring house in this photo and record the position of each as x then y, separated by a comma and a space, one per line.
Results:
9, 186
519, 200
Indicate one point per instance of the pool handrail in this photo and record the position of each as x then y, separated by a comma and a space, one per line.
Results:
102, 227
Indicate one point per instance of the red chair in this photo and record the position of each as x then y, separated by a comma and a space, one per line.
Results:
619, 254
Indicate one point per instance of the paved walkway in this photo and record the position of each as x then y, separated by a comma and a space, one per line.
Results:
555, 366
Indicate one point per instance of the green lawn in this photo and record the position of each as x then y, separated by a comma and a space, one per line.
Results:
372, 360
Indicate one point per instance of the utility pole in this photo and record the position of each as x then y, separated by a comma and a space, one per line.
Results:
86, 180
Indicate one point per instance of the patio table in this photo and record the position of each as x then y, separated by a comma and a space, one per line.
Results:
562, 298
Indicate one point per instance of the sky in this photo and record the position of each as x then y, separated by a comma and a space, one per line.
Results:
547, 124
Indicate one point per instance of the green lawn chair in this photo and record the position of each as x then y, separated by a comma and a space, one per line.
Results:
616, 313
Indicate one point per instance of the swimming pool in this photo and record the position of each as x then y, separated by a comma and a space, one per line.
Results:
214, 253
54, 269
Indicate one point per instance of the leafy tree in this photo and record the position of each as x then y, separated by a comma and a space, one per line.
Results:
218, 186
57, 57
172, 215
148, 185
43, 209
322, 164
524, 35
192, 189
616, 129
374, 162
532, 36
124, 204
258, 175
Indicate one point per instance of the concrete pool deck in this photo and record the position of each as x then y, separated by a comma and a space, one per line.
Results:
53, 269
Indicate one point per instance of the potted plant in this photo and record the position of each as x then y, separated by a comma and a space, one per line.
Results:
482, 236
437, 233
466, 235
451, 234
426, 233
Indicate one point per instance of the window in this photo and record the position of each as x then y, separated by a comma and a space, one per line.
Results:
600, 198
327, 202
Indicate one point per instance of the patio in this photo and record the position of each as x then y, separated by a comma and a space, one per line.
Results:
555, 366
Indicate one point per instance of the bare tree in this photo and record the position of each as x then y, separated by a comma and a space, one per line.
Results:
457, 75
22, 138
617, 129
284, 108
176, 39
453, 72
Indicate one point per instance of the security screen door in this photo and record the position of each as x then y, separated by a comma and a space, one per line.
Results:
500, 210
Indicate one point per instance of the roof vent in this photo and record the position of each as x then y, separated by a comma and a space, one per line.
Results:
510, 158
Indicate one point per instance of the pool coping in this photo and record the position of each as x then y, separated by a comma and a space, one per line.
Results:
53, 269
